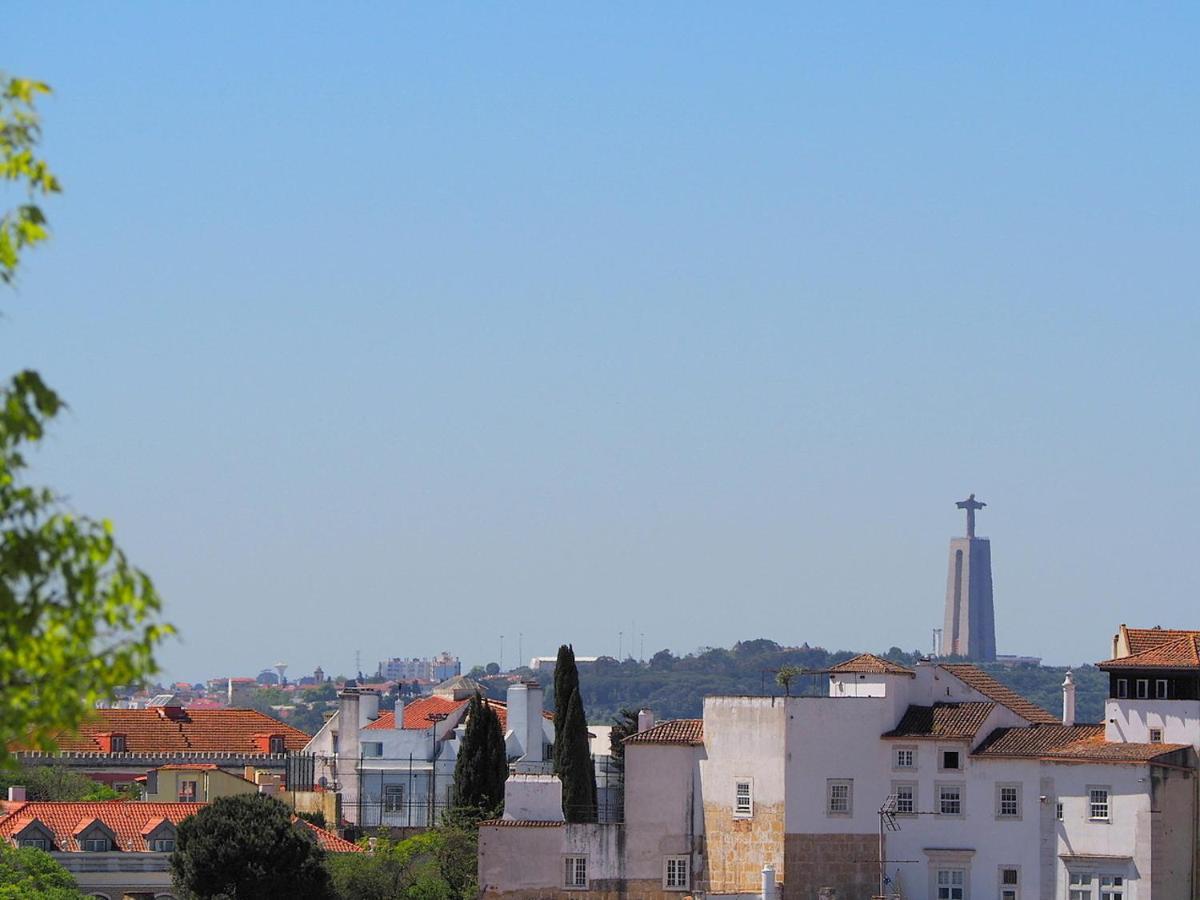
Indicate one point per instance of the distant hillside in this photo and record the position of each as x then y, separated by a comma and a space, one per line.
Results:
675, 687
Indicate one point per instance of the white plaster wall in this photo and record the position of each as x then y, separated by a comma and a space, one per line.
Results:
516, 859
746, 736
664, 807
1130, 721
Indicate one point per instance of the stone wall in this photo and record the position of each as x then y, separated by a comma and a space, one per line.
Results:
634, 889
737, 849
849, 863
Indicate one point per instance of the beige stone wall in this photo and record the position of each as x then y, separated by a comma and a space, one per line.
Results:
845, 862
737, 849
639, 889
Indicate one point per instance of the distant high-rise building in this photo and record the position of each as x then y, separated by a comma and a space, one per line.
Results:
970, 626
439, 668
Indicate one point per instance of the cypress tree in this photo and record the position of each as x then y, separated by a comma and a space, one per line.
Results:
482, 765
575, 764
566, 682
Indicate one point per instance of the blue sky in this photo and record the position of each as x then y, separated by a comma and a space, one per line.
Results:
393, 329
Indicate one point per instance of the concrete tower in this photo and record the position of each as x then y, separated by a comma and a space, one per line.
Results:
970, 626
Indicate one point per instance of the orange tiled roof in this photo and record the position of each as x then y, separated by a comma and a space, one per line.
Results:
520, 823
158, 731
416, 713
942, 721
870, 664
1143, 639
1084, 743
974, 677
1179, 652
677, 731
131, 821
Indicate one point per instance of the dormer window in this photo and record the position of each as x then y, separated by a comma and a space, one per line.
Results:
93, 836
95, 845
35, 835
118, 743
1143, 688
1122, 688
1160, 689
33, 843
276, 744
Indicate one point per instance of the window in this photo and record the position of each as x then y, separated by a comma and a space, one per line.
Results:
35, 843
1058, 811
1098, 804
95, 845
1122, 688
118, 743
1156, 735
1008, 801
393, 798
950, 760
1112, 887
575, 875
1143, 688
906, 758
276, 744
187, 792
743, 798
951, 884
372, 748
163, 845
838, 796
950, 799
675, 873
1080, 887
1010, 883
1160, 689
906, 797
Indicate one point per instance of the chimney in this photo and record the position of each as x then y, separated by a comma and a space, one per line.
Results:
524, 701
16, 794
348, 723
1068, 700
399, 713
368, 708
646, 720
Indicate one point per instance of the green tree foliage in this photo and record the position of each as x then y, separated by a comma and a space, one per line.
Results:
437, 865
566, 682
56, 782
574, 766
76, 618
624, 724
482, 765
28, 874
247, 847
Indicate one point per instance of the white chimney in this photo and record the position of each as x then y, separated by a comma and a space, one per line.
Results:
1068, 700
768, 882
399, 712
646, 721
16, 794
368, 708
524, 702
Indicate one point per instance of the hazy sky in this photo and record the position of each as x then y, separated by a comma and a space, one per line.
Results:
396, 329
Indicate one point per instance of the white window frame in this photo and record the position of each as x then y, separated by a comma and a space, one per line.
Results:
1093, 803
157, 845
1122, 688
909, 753
833, 785
741, 811
1058, 810
950, 891
376, 750
942, 751
677, 873
1112, 890
913, 786
1160, 691
36, 843
1156, 735
1143, 688
962, 798
573, 867
1009, 891
390, 792
96, 845
1078, 888
1015, 787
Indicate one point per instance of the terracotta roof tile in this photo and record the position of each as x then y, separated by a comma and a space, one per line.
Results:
942, 721
870, 664
1084, 743
156, 731
1179, 652
131, 821
1143, 639
520, 823
976, 678
677, 731
416, 713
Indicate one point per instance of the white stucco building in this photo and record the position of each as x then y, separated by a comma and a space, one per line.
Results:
396, 768
983, 794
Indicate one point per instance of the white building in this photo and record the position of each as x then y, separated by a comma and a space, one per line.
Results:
397, 768
936, 781
439, 668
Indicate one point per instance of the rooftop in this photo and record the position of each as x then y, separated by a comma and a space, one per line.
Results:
1082, 743
942, 721
173, 730
981, 681
870, 664
677, 731
1176, 650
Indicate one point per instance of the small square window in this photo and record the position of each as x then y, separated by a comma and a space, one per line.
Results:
1143, 688
575, 874
950, 760
951, 884
276, 744
1010, 883
839, 796
1156, 735
1112, 887
1098, 805
743, 798
393, 798
95, 845
676, 872
1160, 689
163, 845
1080, 887
1122, 688
35, 843
950, 797
906, 797
1008, 801
906, 758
